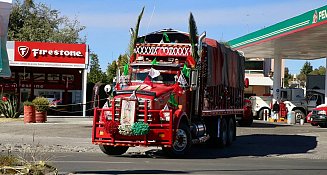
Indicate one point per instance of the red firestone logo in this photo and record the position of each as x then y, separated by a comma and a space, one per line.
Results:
23, 51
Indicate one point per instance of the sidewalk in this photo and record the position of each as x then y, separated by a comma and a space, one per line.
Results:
51, 119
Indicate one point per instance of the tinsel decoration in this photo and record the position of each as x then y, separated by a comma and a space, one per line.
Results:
111, 127
125, 130
140, 128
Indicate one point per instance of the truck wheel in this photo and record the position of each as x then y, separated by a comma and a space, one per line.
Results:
323, 125
298, 115
231, 131
223, 133
113, 150
182, 142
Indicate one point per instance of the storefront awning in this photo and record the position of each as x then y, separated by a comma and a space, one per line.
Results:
260, 81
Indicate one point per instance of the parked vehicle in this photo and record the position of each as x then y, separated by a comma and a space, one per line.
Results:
308, 119
261, 105
172, 99
291, 98
319, 116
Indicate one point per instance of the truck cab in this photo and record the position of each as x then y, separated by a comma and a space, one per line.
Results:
294, 100
315, 97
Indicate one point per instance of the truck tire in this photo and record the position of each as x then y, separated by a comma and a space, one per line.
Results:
223, 133
298, 114
323, 125
113, 150
182, 142
231, 131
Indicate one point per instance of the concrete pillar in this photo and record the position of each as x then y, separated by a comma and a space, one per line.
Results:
326, 83
277, 79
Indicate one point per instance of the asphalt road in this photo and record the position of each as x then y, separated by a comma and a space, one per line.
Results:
97, 163
264, 148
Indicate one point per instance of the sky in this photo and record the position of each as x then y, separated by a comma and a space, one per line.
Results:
108, 22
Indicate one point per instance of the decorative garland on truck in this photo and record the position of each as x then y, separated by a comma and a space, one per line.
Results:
136, 129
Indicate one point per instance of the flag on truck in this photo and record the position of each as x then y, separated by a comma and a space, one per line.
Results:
148, 81
172, 100
154, 62
182, 81
186, 71
153, 73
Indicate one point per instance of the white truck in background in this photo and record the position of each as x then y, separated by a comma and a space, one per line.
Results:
260, 105
293, 98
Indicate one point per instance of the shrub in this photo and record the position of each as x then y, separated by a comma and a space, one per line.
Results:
28, 103
9, 108
41, 104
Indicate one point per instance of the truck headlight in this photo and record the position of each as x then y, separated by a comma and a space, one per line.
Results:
322, 112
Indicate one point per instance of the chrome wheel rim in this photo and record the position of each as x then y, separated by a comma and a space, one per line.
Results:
181, 140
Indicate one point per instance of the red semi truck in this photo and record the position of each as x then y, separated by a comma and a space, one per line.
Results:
171, 100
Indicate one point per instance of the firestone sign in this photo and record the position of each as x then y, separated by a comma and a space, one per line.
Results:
24, 51
40, 54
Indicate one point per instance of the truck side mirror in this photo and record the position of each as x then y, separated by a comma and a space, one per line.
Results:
194, 79
107, 88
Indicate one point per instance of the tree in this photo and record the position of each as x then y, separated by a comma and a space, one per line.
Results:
320, 71
95, 75
111, 71
306, 69
287, 77
112, 68
38, 22
134, 34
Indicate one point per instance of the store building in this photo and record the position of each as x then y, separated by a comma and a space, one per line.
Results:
57, 71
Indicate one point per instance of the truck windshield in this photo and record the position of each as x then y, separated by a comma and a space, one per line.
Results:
162, 78
166, 76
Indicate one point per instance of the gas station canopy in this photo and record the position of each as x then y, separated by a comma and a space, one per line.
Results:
300, 37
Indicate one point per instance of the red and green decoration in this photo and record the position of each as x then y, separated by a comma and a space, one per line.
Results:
136, 129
